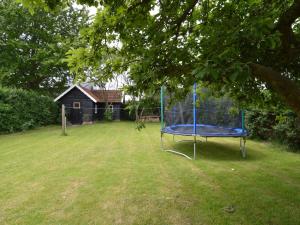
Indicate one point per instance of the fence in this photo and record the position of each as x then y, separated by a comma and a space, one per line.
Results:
83, 115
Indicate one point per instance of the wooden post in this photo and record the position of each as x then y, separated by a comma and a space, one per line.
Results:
66, 124
63, 119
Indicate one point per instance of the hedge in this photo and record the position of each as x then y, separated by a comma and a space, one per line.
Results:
22, 110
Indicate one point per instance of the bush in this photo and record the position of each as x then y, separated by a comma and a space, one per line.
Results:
283, 127
108, 114
260, 124
287, 130
22, 110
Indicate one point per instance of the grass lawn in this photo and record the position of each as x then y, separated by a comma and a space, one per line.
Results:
112, 174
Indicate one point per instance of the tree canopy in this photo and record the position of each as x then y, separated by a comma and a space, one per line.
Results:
243, 47
33, 46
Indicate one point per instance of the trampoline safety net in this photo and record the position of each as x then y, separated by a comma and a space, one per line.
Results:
201, 114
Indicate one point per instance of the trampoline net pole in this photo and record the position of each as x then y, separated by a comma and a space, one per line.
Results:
194, 116
194, 108
162, 107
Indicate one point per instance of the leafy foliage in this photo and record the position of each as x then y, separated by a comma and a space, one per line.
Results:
283, 127
108, 114
33, 46
22, 110
247, 49
238, 47
142, 104
287, 130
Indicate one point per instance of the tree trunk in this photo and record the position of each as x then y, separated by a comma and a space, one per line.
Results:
287, 89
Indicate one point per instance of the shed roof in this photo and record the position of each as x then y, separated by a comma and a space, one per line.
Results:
110, 96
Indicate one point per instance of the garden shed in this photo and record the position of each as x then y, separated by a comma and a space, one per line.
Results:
85, 104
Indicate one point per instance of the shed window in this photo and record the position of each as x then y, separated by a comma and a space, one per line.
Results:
76, 105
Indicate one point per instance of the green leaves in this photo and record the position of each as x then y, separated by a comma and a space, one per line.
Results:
48, 5
33, 46
212, 42
22, 110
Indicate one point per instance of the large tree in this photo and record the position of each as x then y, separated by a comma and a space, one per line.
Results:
33, 46
243, 47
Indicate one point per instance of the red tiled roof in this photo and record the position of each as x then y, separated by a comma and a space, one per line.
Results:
110, 96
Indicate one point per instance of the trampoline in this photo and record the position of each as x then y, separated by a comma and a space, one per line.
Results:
206, 117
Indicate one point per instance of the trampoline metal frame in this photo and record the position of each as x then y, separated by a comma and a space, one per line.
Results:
176, 152
186, 140
243, 149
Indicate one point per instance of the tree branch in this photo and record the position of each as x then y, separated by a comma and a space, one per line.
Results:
284, 26
142, 2
185, 14
287, 89
176, 71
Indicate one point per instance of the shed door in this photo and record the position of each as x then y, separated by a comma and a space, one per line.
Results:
76, 113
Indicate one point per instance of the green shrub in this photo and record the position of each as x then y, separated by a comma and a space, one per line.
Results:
22, 110
283, 127
287, 130
260, 124
108, 114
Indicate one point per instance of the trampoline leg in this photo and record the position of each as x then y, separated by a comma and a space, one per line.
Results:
195, 141
173, 138
173, 151
205, 139
243, 147
161, 141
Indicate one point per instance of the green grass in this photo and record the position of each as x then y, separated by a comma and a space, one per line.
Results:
112, 174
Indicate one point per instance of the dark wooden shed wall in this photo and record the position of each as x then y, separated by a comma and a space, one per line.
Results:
88, 106
75, 95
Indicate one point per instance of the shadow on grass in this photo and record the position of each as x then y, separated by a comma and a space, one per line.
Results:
212, 150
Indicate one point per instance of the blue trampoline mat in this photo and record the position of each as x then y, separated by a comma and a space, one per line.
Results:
204, 130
